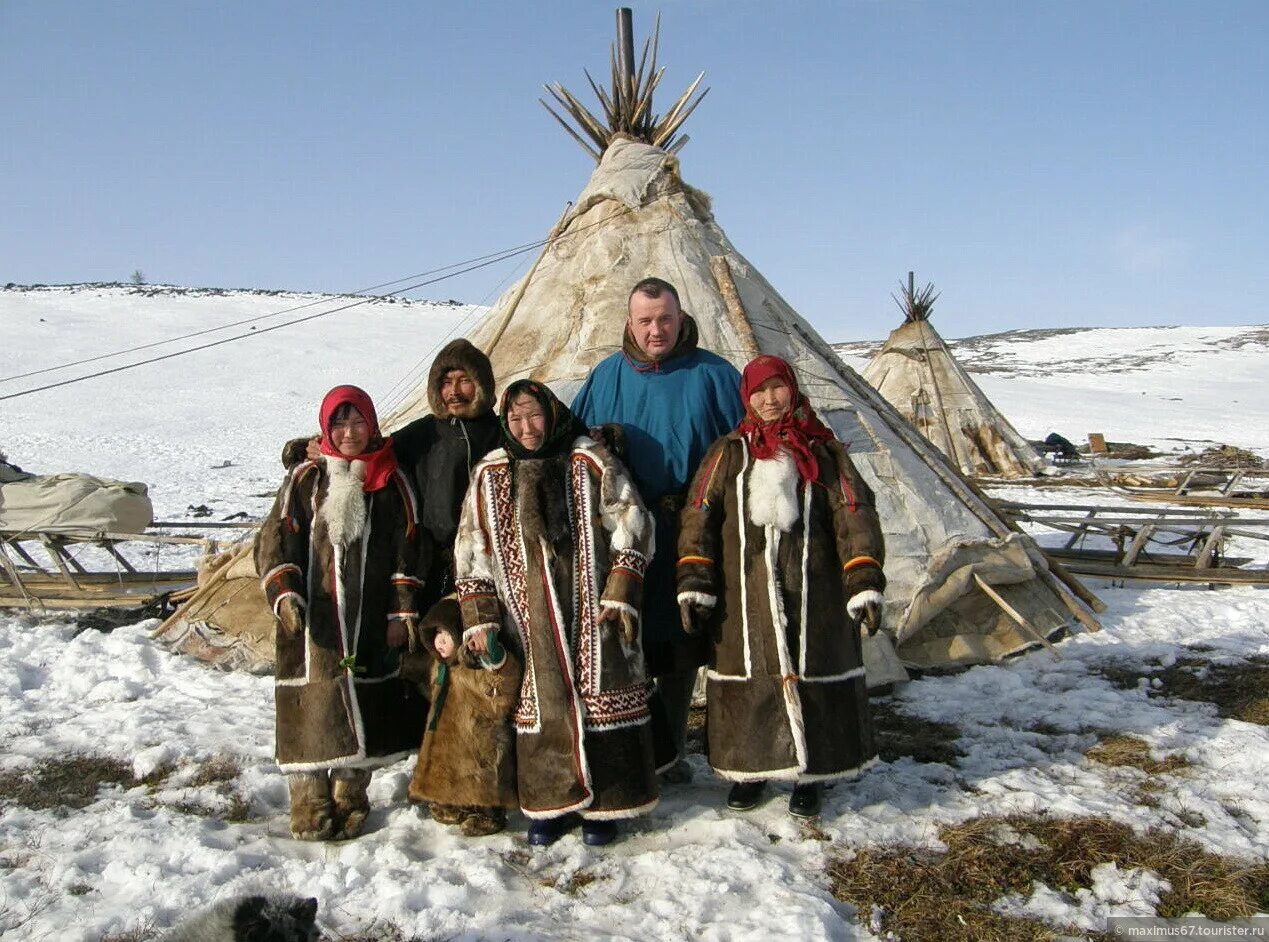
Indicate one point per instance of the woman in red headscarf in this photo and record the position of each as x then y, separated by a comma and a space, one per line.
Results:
338, 554
780, 556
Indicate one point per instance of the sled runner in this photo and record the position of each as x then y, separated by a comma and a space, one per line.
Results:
43, 569
1165, 545
1196, 487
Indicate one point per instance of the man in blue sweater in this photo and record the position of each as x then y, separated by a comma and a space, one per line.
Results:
674, 400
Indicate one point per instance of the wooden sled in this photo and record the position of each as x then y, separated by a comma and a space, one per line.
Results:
1164, 545
64, 580
1196, 487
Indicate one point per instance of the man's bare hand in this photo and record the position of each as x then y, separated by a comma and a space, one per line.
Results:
870, 618
313, 450
694, 616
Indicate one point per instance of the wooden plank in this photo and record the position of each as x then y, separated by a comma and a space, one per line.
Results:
1097, 442
54, 551
12, 573
1081, 532
1138, 543
1211, 545
1016, 615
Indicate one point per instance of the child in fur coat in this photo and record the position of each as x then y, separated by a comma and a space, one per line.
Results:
466, 768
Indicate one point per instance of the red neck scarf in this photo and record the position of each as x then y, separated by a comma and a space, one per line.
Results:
379, 457
794, 431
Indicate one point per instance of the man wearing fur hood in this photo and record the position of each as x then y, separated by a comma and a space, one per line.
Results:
440, 450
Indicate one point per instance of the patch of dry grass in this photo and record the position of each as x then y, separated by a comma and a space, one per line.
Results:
577, 881
217, 769
948, 895
695, 744
1239, 691
899, 734
377, 931
132, 935
65, 782
1119, 750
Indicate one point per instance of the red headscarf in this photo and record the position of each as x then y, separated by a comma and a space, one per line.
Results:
794, 431
379, 457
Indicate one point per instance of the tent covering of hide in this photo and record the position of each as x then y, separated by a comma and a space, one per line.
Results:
225, 620
917, 374
636, 217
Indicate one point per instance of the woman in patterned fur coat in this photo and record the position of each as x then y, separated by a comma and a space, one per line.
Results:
339, 553
780, 556
551, 548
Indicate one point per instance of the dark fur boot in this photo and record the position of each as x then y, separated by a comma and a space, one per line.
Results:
312, 813
348, 788
447, 814
479, 822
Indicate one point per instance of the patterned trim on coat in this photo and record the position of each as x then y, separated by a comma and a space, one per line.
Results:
858, 561
631, 561
585, 591
509, 553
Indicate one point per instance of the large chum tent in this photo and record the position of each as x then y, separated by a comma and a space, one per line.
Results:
963, 586
917, 374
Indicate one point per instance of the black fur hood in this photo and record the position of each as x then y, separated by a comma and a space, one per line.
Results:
461, 354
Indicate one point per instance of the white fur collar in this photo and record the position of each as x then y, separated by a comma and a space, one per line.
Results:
773, 492
345, 506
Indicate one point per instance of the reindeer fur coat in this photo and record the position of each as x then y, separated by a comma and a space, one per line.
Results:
350, 559
468, 754
542, 546
776, 562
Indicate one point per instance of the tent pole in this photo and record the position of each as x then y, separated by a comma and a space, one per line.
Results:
524, 283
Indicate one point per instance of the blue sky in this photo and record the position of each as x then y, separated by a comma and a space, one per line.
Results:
1045, 164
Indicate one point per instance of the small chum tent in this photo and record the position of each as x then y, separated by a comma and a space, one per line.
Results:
918, 375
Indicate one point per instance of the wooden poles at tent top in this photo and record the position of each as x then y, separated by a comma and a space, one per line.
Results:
627, 105
915, 305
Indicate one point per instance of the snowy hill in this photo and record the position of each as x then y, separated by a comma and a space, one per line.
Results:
192, 809
176, 424
1174, 388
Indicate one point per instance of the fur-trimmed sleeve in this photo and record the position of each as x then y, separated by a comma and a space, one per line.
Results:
281, 550
701, 526
630, 529
860, 544
474, 562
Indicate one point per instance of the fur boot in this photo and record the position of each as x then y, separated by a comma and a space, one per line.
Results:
348, 788
447, 814
479, 822
311, 809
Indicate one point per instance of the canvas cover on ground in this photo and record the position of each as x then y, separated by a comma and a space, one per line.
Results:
73, 505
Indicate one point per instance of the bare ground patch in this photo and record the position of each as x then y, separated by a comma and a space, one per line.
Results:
948, 895
74, 781
64, 782
1238, 690
899, 734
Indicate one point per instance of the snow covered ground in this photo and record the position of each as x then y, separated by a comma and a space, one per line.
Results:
138, 856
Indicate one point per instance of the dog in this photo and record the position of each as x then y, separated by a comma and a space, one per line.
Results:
251, 919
